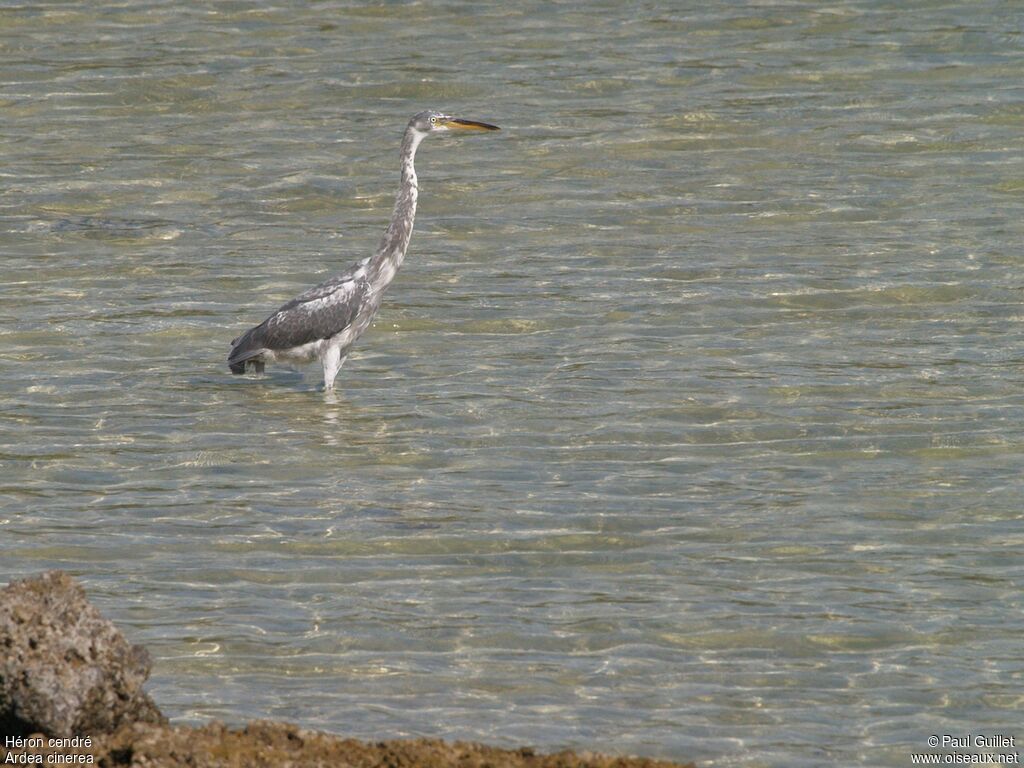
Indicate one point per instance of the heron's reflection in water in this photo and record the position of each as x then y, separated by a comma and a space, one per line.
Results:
333, 434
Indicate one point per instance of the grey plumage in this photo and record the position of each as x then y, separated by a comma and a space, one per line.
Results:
324, 322
317, 314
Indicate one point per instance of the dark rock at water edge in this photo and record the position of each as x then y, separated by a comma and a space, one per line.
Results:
64, 669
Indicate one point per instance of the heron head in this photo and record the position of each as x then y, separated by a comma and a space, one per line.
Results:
438, 122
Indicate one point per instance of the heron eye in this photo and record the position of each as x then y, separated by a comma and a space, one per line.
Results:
433, 119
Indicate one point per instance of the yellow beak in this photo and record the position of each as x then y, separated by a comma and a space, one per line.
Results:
458, 124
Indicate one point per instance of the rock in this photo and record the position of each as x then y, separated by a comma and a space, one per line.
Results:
65, 670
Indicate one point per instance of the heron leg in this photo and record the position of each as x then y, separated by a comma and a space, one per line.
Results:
258, 366
332, 361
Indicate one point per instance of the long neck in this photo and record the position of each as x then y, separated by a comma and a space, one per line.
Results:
391, 251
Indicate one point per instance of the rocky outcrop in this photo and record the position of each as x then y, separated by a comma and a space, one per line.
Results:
64, 669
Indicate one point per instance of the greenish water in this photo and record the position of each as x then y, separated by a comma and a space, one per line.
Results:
691, 427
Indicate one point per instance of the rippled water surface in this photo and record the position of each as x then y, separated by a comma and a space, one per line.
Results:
692, 426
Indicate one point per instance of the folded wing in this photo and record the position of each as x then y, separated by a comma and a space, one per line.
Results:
319, 313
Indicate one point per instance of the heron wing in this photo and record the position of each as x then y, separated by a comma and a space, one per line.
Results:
355, 273
319, 313
317, 316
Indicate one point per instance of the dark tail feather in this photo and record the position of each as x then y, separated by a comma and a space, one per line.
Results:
241, 352
239, 357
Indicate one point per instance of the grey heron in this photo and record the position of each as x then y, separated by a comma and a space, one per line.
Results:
324, 322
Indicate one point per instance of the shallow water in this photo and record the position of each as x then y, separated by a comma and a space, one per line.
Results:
691, 427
